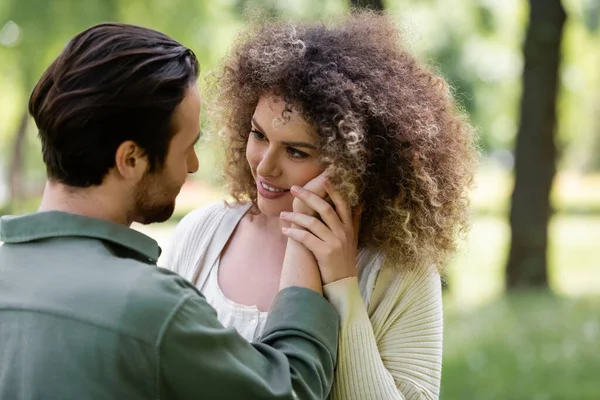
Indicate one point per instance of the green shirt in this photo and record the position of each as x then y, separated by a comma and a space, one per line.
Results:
86, 314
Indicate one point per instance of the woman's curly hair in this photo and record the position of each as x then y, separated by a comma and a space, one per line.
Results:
390, 135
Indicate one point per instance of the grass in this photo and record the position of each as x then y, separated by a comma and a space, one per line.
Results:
530, 345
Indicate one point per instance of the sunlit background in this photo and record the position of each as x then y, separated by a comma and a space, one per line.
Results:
529, 340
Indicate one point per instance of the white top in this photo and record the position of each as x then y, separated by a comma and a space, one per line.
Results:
248, 320
390, 343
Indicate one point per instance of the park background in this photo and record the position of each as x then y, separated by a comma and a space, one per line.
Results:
522, 300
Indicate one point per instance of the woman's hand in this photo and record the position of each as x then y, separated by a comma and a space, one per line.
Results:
300, 267
333, 240
315, 185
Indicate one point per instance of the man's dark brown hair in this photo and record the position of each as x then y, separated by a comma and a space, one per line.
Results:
112, 83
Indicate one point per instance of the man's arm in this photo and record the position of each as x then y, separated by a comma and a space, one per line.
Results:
294, 359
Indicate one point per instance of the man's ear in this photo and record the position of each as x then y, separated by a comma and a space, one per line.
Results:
131, 160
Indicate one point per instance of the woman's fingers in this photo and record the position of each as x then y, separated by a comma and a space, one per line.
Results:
332, 242
315, 185
341, 207
310, 241
310, 223
322, 207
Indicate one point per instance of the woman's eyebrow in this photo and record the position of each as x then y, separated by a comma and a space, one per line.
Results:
286, 143
257, 125
299, 144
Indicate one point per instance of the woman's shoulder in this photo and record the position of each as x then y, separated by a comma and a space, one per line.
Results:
193, 233
202, 223
202, 217
412, 274
399, 282
206, 211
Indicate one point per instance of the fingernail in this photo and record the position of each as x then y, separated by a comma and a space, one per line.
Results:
284, 229
295, 189
284, 214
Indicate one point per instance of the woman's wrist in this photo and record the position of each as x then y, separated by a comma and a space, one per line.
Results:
300, 268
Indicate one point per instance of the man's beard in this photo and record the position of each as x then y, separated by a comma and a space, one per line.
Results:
154, 201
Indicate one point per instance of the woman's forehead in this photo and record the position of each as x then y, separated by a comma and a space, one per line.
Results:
274, 115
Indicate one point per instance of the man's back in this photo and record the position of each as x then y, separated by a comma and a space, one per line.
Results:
81, 310
84, 313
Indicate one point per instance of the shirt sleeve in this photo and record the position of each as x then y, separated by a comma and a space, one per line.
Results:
294, 359
403, 360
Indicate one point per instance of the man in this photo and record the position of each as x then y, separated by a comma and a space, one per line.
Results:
84, 312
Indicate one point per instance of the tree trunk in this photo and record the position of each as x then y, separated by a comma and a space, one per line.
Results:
591, 162
18, 161
535, 152
370, 4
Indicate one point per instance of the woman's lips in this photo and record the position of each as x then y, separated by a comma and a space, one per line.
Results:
276, 193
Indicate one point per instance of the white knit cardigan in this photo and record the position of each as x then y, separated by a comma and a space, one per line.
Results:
390, 343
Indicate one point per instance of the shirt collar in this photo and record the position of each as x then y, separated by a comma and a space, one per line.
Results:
48, 224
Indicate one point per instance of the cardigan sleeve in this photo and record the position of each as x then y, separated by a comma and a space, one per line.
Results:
396, 352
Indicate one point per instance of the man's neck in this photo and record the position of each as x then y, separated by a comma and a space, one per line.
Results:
91, 202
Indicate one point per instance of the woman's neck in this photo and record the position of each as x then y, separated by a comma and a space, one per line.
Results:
270, 226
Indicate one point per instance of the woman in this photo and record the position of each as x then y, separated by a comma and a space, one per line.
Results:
347, 100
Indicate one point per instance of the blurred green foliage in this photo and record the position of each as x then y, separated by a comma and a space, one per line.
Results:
475, 44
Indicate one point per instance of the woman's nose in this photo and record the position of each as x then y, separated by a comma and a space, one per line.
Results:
268, 165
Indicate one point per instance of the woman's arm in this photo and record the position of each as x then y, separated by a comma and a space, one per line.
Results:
300, 268
397, 352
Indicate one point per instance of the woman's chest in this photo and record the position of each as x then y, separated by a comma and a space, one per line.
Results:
250, 269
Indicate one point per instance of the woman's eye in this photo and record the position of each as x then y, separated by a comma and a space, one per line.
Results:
257, 135
296, 153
